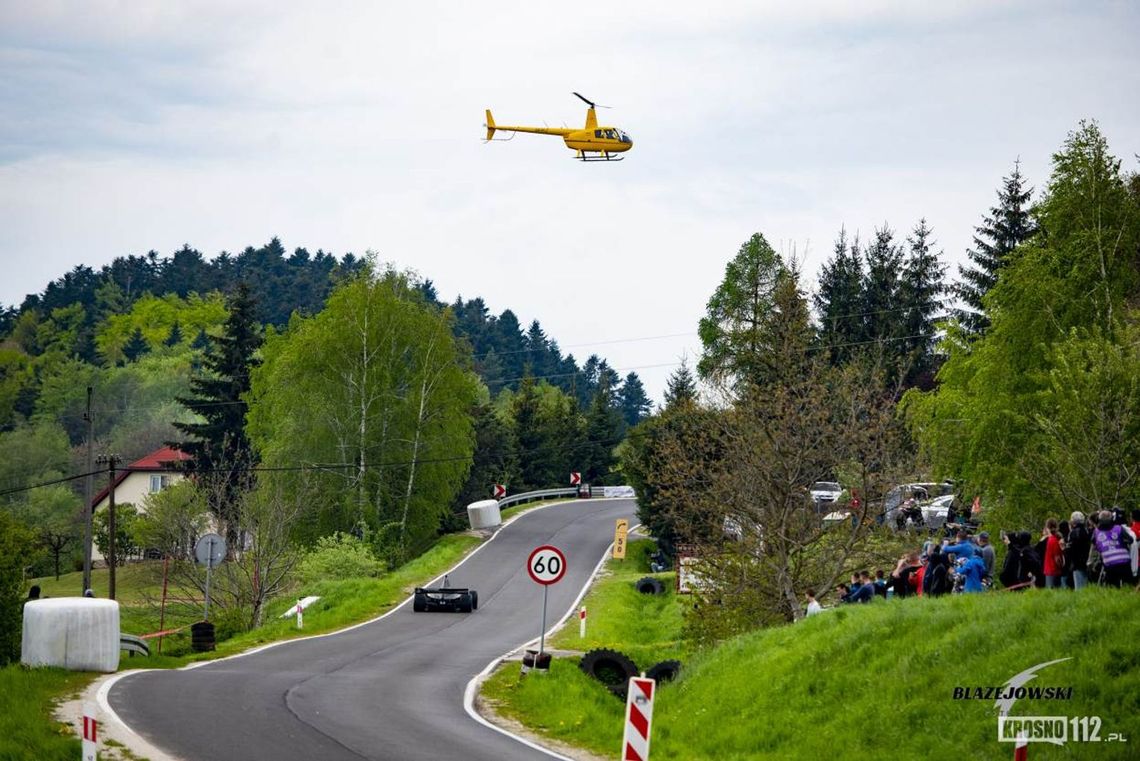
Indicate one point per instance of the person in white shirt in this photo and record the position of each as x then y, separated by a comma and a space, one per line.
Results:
813, 605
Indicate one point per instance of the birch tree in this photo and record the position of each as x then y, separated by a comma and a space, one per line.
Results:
373, 396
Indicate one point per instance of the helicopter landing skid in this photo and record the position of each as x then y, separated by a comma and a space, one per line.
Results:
600, 158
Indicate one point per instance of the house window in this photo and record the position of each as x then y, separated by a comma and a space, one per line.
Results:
158, 483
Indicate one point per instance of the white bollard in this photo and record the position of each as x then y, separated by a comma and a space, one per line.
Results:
300, 618
90, 733
582, 622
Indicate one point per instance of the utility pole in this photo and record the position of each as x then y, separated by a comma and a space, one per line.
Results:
89, 492
111, 460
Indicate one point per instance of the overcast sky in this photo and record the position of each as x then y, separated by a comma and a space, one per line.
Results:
130, 126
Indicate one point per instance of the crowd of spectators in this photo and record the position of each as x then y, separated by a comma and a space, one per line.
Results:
1070, 554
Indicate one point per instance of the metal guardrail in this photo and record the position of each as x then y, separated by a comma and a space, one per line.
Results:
526, 496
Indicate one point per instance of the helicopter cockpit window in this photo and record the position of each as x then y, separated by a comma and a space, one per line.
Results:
597, 133
624, 137
610, 134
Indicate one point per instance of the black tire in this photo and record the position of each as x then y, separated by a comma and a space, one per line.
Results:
465, 603
611, 668
419, 602
650, 586
665, 671
474, 600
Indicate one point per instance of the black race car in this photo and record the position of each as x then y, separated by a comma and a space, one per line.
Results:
446, 598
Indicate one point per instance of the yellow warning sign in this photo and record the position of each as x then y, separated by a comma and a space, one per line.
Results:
620, 532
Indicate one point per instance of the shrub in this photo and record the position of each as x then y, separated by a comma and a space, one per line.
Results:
339, 556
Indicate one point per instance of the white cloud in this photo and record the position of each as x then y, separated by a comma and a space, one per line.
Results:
354, 126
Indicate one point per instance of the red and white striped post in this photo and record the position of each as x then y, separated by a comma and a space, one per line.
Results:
638, 719
90, 733
300, 617
1021, 749
582, 622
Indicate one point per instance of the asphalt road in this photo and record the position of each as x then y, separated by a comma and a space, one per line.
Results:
392, 689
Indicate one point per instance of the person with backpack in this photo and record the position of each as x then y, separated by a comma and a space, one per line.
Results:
1077, 549
1021, 564
1113, 541
936, 580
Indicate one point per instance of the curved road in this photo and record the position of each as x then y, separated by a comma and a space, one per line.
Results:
391, 689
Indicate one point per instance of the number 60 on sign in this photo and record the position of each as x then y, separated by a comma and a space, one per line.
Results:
546, 565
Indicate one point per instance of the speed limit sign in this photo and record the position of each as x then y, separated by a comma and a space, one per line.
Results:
546, 565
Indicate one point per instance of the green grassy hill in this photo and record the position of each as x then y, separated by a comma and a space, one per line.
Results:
872, 682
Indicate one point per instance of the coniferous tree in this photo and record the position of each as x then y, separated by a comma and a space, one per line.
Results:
537, 348
201, 341
525, 413
603, 433
496, 459
881, 298
219, 448
136, 346
839, 301
635, 406
175, 336
1007, 226
681, 388
920, 291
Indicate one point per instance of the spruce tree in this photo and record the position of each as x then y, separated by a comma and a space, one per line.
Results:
881, 298
136, 346
1007, 225
529, 435
681, 388
920, 291
603, 433
219, 449
839, 302
175, 336
632, 400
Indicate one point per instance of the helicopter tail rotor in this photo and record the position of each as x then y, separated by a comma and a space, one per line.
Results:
490, 125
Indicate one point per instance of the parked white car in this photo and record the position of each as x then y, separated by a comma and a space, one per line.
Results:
825, 491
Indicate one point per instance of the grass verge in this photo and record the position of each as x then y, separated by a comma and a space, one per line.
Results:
871, 682
28, 732
566, 704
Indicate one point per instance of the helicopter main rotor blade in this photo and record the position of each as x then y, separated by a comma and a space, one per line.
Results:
588, 102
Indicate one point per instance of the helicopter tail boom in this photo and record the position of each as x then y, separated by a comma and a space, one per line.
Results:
490, 125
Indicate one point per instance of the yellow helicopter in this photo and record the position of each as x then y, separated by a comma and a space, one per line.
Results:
590, 139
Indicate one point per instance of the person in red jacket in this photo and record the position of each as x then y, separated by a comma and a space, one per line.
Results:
1054, 560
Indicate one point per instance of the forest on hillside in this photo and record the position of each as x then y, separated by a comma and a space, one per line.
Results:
337, 405
148, 333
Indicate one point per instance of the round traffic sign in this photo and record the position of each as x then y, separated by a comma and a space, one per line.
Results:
546, 565
210, 550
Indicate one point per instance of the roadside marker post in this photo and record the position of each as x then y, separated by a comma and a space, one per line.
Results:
638, 719
300, 617
90, 733
1021, 749
621, 532
582, 622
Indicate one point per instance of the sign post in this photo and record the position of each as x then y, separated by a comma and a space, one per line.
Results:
546, 565
621, 530
90, 733
210, 551
638, 719
300, 617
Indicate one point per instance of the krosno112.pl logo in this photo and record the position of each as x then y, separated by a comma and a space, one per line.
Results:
1057, 730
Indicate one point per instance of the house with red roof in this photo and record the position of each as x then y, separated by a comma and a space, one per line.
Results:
143, 477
